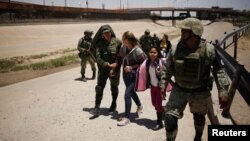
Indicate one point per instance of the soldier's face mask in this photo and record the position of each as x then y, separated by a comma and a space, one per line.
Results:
182, 45
107, 35
185, 34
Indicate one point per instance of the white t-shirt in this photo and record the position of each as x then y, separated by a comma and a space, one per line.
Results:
152, 74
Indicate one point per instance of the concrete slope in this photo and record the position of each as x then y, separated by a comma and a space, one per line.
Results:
56, 107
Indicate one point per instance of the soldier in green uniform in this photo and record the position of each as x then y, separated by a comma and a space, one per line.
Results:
84, 47
190, 63
156, 41
109, 63
146, 41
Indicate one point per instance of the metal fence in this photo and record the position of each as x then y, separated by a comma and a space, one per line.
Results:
239, 76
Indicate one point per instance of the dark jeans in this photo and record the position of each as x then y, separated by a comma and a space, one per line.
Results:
129, 80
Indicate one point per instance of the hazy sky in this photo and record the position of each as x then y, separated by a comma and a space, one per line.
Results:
111, 4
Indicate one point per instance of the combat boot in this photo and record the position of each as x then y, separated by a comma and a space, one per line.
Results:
198, 136
93, 76
114, 94
171, 135
95, 112
159, 124
112, 108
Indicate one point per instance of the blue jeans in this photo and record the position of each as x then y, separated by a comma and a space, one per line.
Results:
129, 80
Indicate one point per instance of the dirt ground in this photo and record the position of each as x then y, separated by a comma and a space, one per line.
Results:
19, 76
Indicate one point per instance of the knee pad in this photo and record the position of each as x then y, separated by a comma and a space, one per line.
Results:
171, 122
199, 119
94, 69
98, 89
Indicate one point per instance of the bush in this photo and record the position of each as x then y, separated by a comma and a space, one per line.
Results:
57, 62
6, 65
20, 67
40, 66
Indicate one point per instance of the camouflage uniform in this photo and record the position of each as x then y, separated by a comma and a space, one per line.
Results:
191, 70
146, 41
156, 41
107, 53
84, 46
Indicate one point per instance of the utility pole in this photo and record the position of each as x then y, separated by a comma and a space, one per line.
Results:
103, 6
65, 3
43, 13
120, 4
87, 3
10, 10
127, 4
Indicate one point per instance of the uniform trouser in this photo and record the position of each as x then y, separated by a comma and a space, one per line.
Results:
129, 80
178, 99
103, 75
84, 63
156, 98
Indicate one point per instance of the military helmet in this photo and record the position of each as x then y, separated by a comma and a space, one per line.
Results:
88, 32
192, 24
147, 31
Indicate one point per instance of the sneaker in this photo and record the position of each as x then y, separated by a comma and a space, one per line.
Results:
120, 118
95, 112
158, 126
123, 122
84, 79
139, 110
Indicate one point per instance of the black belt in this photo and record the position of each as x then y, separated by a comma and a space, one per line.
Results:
199, 89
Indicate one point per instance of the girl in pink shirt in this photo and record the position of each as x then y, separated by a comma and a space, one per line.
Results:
148, 75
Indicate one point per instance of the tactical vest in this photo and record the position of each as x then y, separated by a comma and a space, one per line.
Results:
109, 51
190, 67
146, 43
85, 45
